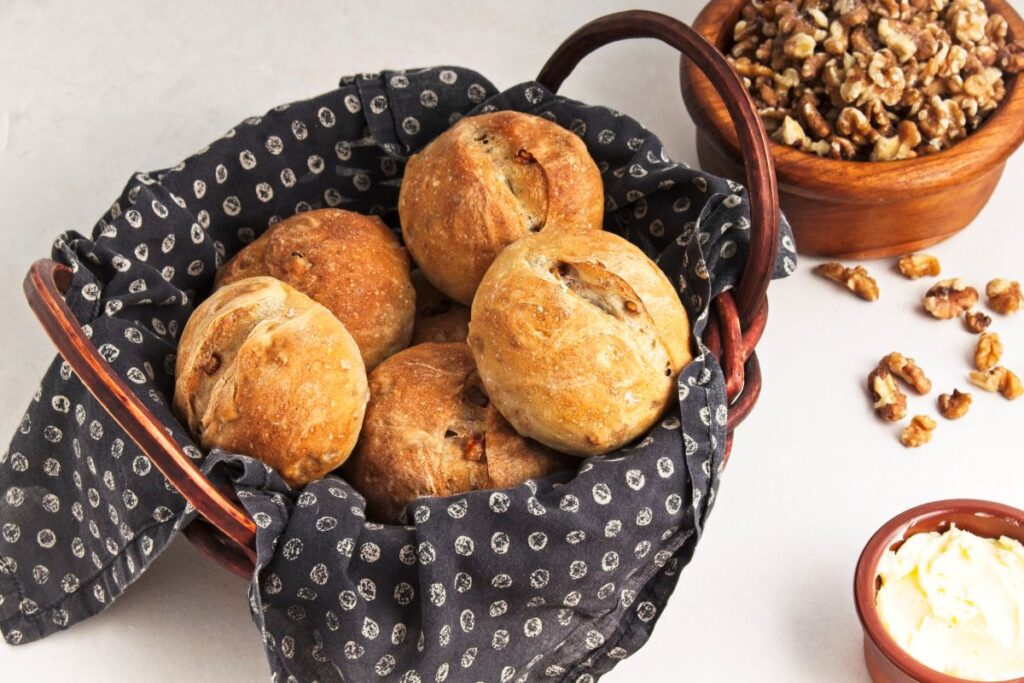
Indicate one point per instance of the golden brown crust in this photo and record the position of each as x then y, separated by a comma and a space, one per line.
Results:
426, 434
579, 339
438, 318
350, 263
263, 370
486, 182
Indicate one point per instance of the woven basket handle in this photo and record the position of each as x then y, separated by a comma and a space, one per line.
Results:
44, 288
760, 169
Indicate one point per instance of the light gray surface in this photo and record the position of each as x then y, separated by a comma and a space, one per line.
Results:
91, 93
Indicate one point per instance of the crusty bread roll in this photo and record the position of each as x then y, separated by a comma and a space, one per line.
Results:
579, 338
350, 263
438, 318
263, 370
431, 431
486, 182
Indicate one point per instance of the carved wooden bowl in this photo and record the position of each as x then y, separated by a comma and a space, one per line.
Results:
863, 209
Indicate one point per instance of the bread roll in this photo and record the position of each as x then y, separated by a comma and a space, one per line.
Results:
431, 431
579, 339
350, 263
438, 318
263, 370
486, 182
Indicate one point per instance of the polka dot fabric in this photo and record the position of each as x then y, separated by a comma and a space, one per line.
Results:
556, 579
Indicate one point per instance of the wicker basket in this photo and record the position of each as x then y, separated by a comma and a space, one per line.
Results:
224, 531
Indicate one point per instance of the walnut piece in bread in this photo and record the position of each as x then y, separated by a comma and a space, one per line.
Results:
350, 263
265, 371
430, 430
579, 339
484, 183
438, 318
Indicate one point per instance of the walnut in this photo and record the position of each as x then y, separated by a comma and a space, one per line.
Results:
1012, 388
967, 18
954, 406
889, 402
1004, 296
1011, 57
903, 145
950, 299
918, 432
855, 279
790, 133
908, 371
999, 379
799, 46
897, 37
976, 322
816, 123
988, 351
916, 266
989, 380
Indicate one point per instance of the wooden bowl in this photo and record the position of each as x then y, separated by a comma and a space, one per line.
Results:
863, 209
887, 662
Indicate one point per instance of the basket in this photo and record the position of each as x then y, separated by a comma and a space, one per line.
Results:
225, 531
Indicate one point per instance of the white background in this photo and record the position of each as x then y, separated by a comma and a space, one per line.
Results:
90, 92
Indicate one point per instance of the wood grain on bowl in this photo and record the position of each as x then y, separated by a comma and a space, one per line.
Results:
863, 209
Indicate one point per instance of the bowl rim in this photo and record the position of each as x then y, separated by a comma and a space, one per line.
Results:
810, 175
866, 572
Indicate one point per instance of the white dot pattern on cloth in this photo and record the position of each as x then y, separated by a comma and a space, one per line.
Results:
557, 579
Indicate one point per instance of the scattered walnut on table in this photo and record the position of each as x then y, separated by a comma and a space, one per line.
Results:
916, 266
999, 379
937, 65
988, 352
950, 298
855, 279
918, 432
889, 402
954, 406
908, 371
1004, 296
977, 322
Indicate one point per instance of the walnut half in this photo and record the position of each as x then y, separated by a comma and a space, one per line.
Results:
890, 402
908, 371
918, 432
954, 406
1004, 296
977, 322
916, 266
855, 279
988, 352
950, 299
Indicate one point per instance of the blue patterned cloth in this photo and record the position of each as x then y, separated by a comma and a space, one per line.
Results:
554, 579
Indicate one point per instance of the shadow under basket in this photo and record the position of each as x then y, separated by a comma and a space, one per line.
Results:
224, 531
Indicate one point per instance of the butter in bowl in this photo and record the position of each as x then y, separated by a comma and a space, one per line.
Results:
939, 591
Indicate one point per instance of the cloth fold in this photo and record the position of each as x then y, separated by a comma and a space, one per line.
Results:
559, 578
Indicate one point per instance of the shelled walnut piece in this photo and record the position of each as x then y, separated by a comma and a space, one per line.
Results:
977, 322
855, 279
873, 79
954, 406
889, 402
918, 432
988, 352
1004, 296
908, 371
999, 379
916, 266
950, 298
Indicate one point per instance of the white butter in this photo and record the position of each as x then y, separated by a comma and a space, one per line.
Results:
955, 602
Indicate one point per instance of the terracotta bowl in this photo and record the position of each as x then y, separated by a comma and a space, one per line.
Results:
862, 209
887, 662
